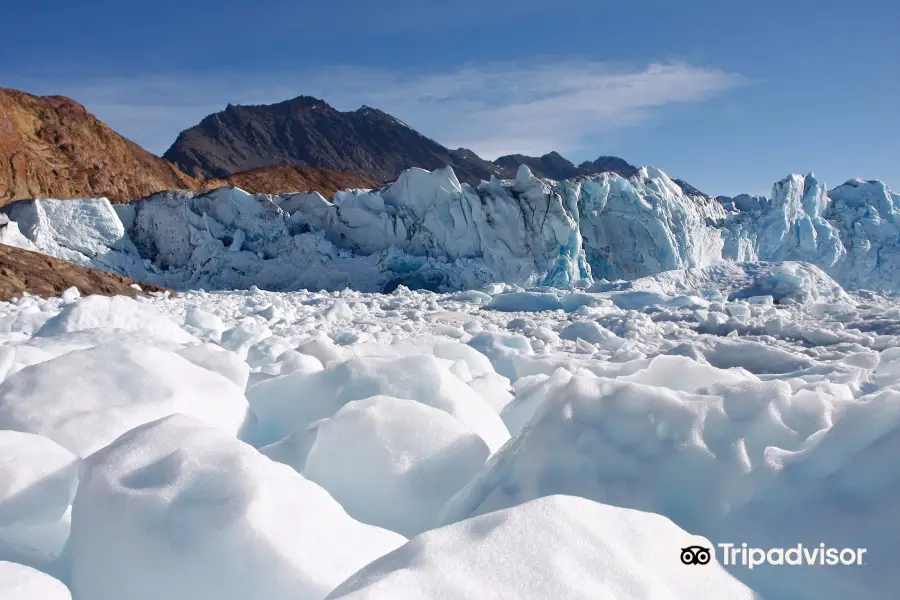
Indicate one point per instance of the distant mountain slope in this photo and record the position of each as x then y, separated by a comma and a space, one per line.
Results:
554, 166
51, 146
279, 179
609, 164
307, 131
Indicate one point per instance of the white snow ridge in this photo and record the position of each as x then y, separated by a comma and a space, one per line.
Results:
529, 390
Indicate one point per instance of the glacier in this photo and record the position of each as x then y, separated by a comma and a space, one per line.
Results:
429, 231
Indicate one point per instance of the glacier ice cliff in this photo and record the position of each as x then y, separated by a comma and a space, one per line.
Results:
427, 230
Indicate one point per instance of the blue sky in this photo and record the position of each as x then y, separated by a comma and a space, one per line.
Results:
729, 95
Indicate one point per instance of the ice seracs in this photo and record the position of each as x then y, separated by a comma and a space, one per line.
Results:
427, 230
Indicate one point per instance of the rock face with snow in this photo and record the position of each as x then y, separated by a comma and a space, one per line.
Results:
180, 511
428, 230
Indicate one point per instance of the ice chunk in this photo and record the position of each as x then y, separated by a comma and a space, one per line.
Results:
588, 331
686, 375
647, 448
37, 484
323, 349
547, 549
218, 360
530, 394
85, 399
37, 478
525, 302
18, 582
390, 462
501, 349
176, 510
286, 404
494, 389
292, 361
117, 312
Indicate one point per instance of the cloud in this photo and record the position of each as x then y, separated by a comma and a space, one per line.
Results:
492, 109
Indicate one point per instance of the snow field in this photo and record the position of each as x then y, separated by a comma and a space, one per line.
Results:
252, 444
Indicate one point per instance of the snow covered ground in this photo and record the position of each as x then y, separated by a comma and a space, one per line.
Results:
429, 231
494, 443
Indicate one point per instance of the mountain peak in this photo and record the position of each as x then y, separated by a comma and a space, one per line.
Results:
307, 131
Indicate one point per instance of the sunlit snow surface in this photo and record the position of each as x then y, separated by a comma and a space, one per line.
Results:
539, 444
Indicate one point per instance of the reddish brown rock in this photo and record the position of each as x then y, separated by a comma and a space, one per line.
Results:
52, 147
41, 275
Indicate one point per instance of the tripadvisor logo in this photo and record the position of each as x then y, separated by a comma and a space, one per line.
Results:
733, 555
696, 555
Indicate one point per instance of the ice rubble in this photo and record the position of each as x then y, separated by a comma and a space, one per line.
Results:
754, 402
427, 230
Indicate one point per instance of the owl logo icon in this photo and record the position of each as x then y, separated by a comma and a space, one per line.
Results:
695, 555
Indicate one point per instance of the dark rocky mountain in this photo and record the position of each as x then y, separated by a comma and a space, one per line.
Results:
552, 165
609, 164
307, 131
689, 189
368, 142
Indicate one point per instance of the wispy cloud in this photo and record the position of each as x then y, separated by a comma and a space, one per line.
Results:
492, 109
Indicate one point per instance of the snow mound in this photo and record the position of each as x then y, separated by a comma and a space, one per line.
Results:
85, 399
389, 462
37, 484
683, 374
802, 282
175, 510
286, 404
111, 313
547, 549
218, 360
744, 462
18, 582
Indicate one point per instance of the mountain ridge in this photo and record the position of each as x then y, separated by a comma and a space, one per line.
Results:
52, 146
308, 131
